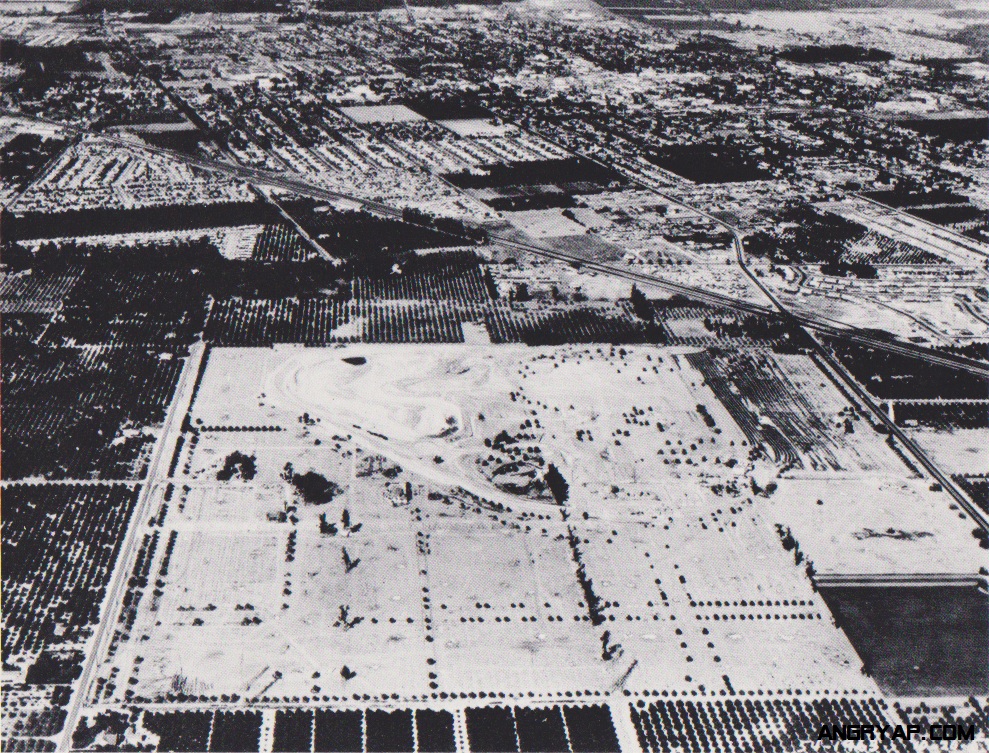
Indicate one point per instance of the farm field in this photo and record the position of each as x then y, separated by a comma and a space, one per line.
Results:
786, 405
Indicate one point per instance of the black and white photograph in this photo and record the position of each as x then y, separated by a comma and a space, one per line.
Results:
516, 376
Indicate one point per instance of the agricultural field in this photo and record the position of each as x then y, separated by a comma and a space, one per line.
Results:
35, 292
381, 114
42, 523
787, 406
81, 413
23, 155
60, 547
875, 527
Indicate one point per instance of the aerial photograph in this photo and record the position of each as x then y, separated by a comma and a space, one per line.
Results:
537, 376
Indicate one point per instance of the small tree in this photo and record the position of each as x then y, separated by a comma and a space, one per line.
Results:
238, 464
557, 484
641, 305
314, 488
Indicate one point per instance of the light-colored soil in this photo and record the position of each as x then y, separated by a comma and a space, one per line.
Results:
465, 579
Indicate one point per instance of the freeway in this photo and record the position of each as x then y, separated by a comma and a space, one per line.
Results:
838, 373
294, 183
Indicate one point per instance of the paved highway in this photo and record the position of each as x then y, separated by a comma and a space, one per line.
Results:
838, 372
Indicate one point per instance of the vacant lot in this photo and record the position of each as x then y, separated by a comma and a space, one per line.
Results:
414, 523
381, 114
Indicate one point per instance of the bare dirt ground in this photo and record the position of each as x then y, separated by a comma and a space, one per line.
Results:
446, 561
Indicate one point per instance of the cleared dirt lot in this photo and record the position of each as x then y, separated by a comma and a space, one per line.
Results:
440, 555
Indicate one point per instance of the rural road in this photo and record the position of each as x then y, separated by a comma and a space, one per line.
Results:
113, 601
